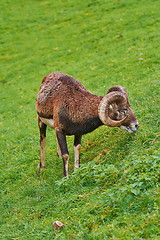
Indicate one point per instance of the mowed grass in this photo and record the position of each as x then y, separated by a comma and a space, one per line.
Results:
114, 195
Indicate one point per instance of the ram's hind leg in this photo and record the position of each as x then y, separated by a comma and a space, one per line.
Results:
42, 129
64, 151
77, 148
58, 150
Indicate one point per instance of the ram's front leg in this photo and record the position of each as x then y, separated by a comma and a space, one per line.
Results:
58, 150
77, 148
62, 143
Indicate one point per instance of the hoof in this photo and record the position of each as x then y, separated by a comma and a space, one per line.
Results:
40, 168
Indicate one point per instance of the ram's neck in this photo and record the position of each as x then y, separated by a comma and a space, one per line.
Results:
83, 117
92, 105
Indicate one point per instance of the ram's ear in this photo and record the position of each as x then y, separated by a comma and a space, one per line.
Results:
106, 103
111, 107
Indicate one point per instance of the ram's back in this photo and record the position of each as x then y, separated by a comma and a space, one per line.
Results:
57, 87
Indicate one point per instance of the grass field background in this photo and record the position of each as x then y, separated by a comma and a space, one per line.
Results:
114, 195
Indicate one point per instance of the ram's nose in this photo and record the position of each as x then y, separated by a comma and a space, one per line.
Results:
137, 125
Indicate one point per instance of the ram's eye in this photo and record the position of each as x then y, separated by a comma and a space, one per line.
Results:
121, 112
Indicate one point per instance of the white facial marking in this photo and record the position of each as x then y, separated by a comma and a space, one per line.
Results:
132, 128
48, 122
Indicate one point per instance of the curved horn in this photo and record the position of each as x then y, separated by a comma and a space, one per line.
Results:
103, 107
119, 89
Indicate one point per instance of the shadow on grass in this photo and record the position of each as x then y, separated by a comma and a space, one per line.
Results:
110, 145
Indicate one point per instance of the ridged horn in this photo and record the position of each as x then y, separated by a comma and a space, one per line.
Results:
103, 108
119, 89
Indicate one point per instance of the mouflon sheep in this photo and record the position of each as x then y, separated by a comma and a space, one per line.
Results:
65, 105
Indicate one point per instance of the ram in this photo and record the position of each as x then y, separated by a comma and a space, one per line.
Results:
65, 105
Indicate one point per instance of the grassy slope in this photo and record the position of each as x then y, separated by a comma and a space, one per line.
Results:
114, 195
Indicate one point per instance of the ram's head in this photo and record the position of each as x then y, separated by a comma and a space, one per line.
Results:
114, 110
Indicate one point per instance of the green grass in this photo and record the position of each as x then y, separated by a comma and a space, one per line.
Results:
114, 195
